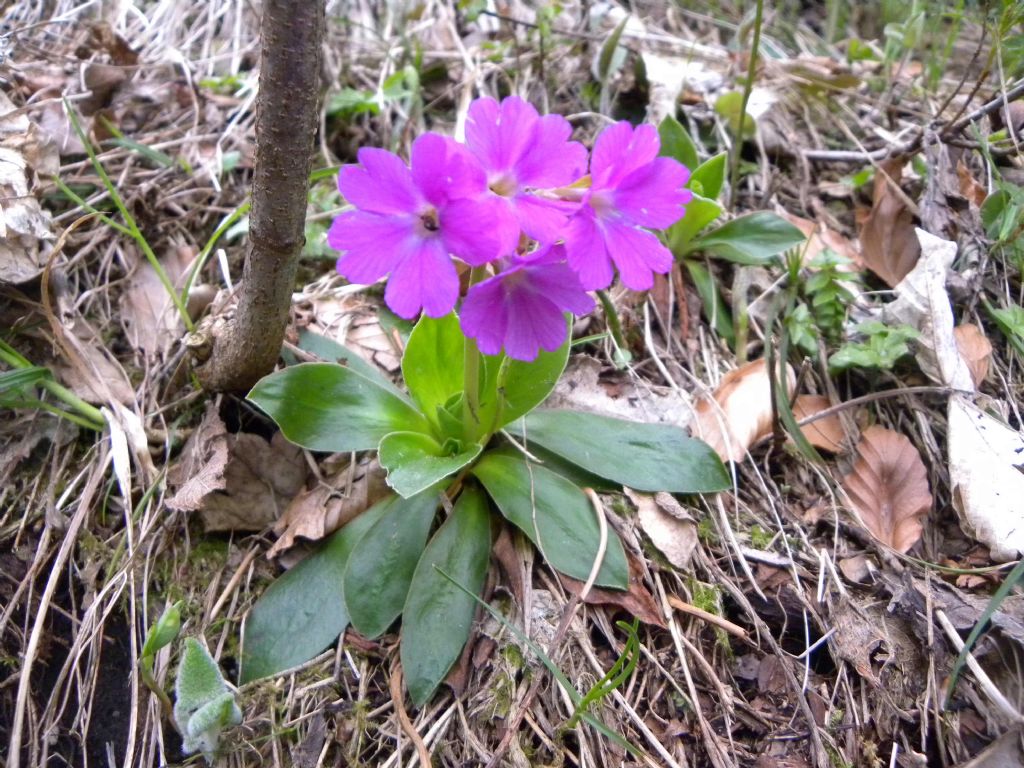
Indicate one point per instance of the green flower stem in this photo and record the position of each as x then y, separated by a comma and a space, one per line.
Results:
471, 376
737, 147
612, 317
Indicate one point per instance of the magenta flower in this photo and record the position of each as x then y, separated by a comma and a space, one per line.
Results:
522, 308
410, 220
521, 152
631, 188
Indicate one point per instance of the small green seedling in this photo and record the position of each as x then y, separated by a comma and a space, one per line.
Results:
205, 704
882, 349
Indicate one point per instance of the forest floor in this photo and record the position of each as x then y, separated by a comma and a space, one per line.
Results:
812, 616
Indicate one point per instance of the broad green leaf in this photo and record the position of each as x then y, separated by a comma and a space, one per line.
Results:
676, 143
753, 239
708, 178
415, 461
381, 566
204, 705
438, 615
304, 611
512, 388
433, 363
729, 105
556, 516
699, 213
646, 457
327, 407
331, 351
715, 308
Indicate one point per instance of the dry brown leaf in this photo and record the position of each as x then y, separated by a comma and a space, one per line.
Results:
236, 482
739, 412
819, 237
153, 323
320, 511
636, 600
672, 531
888, 244
827, 432
888, 488
975, 349
969, 186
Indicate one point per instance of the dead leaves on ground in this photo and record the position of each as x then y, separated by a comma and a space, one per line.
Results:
888, 488
888, 245
740, 410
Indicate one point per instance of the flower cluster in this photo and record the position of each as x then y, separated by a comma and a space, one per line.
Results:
515, 196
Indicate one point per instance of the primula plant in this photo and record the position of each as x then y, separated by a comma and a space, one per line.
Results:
493, 244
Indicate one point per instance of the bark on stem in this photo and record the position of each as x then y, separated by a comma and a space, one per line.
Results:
246, 346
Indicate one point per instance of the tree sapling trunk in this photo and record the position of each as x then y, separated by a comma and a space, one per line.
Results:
234, 353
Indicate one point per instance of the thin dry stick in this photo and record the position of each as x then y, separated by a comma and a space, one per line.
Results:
403, 716
711, 618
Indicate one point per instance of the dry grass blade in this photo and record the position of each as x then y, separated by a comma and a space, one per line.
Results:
888, 488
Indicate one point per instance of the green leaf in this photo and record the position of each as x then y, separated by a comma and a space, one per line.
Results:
753, 239
304, 611
331, 351
699, 213
676, 143
610, 58
715, 309
165, 631
433, 362
415, 461
204, 705
326, 407
438, 615
884, 347
381, 566
646, 457
14, 381
512, 388
729, 106
556, 516
708, 178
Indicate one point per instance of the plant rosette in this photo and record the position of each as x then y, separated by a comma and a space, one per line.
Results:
516, 204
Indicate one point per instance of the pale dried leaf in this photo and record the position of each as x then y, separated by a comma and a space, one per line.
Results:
740, 410
975, 349
986, 474
582, 388
888, 488
153, 322
669, 527
635, 600
819, 237
236, 482
199, 471
923, 303
95, 376
887, 243
320, 511
827, 432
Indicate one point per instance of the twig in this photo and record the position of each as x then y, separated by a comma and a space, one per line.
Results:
711, 618
395, 687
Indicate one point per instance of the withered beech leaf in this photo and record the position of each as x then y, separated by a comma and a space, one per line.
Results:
975, 349
888, 244
637, 600
740, 410
827, 432
888, 488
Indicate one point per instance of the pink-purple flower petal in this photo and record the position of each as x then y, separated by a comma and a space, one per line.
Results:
637, 253
372, 244
586, 251
653, 195
381, 183
620, 150
424, 278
